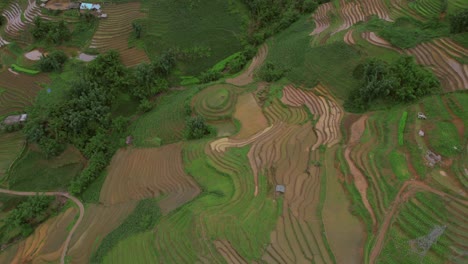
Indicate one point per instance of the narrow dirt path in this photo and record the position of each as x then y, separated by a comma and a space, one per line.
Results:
403, 195
247, 76
74, 199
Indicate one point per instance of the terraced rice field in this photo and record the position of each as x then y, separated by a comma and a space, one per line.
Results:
114, 32
18, 19
46, 243
321, 18
93, 229
443, 56
136, 174
12, 145
352, 12
19, 90
215, 102
253, 119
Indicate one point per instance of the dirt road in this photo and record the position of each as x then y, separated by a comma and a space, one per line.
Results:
74, 199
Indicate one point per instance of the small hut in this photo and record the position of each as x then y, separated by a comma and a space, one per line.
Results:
129, 140
421, 133
280, 188
422, 116
432, 158
15, 119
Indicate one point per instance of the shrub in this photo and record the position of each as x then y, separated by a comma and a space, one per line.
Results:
196, 128
210, 76
401, 81
270, 72
459, 22
53, 61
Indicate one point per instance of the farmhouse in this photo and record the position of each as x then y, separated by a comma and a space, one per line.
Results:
88, 6
280, 188
15, 119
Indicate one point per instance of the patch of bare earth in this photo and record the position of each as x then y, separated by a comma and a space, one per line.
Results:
250, 115
136, 174
247, 76
357, 129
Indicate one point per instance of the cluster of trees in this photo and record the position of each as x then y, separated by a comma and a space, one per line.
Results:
52, 32
271, 16
459, 22
83, 115
54, 61
401, 81
196, 128
271, 72
28, 214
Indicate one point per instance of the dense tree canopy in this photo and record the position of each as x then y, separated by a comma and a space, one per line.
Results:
54, 61
270, 16
401, 81
459, 22
52, 32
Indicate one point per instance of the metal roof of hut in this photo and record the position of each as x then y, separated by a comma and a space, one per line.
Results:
421, 115
15, 119
129, 140
421, 133
280, 188
90, 6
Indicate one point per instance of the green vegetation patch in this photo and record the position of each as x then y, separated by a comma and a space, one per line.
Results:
145, 215
204, 31
444, 139
331, 64
216, 102
399, 166
166, 121
23, 70
401, 128
418, 218
407, 32
33, 172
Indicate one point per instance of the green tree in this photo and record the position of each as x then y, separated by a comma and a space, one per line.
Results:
137, 28
459, 22
196, 127
54, 61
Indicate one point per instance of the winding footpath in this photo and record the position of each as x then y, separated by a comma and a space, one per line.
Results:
64, 194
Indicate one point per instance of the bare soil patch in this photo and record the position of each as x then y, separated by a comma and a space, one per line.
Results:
249, 113
33, 55
135, 174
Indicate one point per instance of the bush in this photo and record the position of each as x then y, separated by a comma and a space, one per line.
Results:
196, 128
459, 22
210, 76
270, 72
401, 81
53, 61
52, 32
145, 106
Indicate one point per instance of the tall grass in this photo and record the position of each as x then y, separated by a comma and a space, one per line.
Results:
401, 128
215, 25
